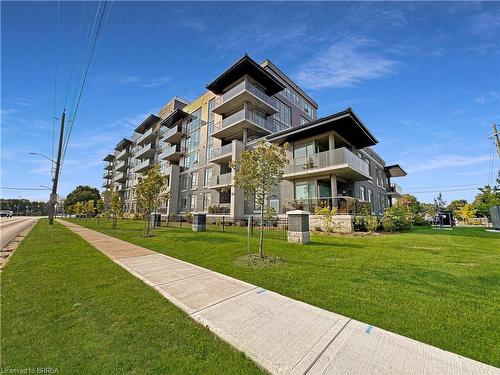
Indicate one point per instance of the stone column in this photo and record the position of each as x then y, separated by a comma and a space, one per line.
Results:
298, 227
199, 222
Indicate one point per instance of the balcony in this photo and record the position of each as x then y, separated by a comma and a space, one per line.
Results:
122, 166
232, 127
109, 166
394, 190
222, 154
172, 135
220, 182
345, 205
144, 166
245, 92
146, 152
120, 187
171, 153
340, 162
123, 155
107, 174
120, 177
106, 183
147, 137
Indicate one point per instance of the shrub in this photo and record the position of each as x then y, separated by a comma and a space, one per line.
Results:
317, 228
396, 219
328, 214
372, 223
359, 224
189, 218
240, 223
420, 221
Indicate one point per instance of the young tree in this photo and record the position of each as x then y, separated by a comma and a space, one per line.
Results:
84, 209
258, 171
150, 192
90, 208
78, 209
115, 206
467, 212
99, 209
106, 197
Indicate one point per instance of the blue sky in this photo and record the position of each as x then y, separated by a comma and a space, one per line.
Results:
424, 77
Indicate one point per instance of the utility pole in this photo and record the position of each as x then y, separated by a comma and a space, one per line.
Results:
497, 140
53, 195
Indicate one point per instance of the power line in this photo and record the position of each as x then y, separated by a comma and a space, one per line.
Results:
21, 188
91, 56
441, 186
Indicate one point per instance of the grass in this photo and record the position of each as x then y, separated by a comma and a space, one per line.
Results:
66, 306
439, 287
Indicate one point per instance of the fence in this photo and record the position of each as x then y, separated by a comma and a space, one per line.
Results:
273, 228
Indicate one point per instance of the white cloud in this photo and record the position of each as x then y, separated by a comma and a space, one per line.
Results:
488, 97
447, 161
136, 80
344, 64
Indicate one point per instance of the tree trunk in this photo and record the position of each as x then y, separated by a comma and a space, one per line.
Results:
261, 238
148, 220
114, 221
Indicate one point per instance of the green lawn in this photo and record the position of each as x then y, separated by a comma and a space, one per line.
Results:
67, 306
439, 287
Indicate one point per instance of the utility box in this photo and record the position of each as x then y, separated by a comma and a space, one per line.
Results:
495, 216
298, 227
155, 220
199, 222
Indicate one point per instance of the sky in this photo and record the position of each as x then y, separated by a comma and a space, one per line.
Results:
423, 77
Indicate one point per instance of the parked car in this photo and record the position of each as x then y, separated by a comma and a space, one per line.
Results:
6, 213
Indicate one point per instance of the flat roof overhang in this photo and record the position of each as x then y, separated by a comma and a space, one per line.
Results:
340, 170
246, 65
345, 123
147, 123
395, 170
108, 157
122, 144
172, 118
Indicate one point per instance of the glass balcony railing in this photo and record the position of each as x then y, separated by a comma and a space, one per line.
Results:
221, 180
330, 158
221, 151
246, 86
268, 123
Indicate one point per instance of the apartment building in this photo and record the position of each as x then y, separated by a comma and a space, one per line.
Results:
331, 158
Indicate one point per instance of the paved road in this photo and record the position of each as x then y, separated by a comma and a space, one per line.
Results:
282, 335
12, 226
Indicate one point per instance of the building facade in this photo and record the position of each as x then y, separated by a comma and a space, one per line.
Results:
331, 159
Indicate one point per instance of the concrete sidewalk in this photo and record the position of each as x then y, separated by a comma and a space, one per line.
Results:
282, 335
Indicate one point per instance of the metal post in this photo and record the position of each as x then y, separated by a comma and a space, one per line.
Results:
223, 221
53, 195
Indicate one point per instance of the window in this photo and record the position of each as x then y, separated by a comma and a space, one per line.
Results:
303, 120
194, 180
284, 115
370, 195
184, 203
184, 182
308, 109
305, 190
207, 177
303, 150
207, 201
192, 206
275, 203
210, 130
362, 193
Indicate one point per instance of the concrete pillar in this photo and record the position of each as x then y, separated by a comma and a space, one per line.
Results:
199, 222
237, 194
331, 142
298, 227
174, 180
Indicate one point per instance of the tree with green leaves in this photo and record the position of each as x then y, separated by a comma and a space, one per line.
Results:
90, 208
82, 193
150, 192
84, 209
456, 205
115, 206
488, 197
467, 212
257, 172
99, 209
106, 197
78, 209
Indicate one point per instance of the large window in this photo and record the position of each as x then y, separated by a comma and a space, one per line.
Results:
284, 115
305, 190
210, 129
304, 150
194, 180
207, 176
207, 201
362, 193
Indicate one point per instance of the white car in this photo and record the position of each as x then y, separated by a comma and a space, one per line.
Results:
6, 213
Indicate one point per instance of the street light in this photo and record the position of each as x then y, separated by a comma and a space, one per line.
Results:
42, 155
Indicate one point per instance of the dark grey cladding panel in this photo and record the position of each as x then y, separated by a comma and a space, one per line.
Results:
298, 222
